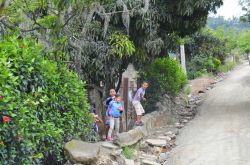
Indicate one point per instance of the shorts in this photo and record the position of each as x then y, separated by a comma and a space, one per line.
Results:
138, 107
107, 120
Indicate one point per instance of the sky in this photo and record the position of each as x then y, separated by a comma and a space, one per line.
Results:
229, 9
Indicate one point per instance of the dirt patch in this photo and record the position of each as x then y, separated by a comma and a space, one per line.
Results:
200, 85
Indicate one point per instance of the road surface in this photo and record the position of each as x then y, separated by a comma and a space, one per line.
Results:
220, 133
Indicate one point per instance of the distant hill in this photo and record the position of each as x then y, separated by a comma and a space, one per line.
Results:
235, 23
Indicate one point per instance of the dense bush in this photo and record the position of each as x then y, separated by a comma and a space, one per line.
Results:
165, 77
46, 104
200, 65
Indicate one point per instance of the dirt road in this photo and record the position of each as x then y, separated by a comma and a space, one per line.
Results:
220, 134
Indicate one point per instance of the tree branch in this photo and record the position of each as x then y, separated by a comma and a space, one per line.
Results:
13, 27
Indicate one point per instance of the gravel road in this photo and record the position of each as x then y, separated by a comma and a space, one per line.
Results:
220, 133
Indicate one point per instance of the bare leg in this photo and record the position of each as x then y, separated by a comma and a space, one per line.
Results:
107, 130
138, 120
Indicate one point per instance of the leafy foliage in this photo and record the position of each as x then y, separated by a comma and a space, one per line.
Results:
165, 77
200, 65
45, 101
244, 41
121, 45
208, 49
82, 29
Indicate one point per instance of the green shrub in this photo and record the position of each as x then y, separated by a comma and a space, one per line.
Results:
45, 101
165, 77
168, 75
217, 63
128, 152
200, 65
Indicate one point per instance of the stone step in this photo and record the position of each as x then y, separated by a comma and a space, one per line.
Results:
148, 157
129, 162
109, 145
163, 157
156, 142
164, 138
148, 162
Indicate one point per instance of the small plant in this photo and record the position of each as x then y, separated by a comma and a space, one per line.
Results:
187, 90
128, 152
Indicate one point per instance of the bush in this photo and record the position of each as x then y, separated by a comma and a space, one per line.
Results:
165, 77
46, 104
200, 65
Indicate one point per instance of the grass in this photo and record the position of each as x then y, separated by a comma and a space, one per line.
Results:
227, 67
128, 152
187, 90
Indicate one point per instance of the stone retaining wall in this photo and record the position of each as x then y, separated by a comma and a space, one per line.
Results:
166, 110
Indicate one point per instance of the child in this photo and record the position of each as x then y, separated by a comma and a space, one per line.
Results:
95, 118
107, 102
137, 102
116, 108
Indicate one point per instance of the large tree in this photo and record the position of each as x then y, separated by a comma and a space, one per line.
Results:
97, 37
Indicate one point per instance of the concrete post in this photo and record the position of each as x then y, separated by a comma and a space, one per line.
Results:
183, 59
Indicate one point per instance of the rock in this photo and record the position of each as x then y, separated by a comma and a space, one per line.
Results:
129, 162
129, 138
164, 138
148, 157
120, 159
157, 150
157, 142
186, 114
109, 145
187, 118
116, 152
171, 134
184, 121
199, 102
179, 125
163, 157
144, 146
172, 144
105, 160
81, 152
148, 162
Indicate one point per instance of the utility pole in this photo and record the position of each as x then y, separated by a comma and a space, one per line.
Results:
183, 58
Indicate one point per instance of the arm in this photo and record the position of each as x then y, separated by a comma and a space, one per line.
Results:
121, 108
142, 94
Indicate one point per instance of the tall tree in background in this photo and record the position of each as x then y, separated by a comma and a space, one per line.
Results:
245, 7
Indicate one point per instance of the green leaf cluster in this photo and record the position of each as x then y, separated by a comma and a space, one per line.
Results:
45, 101
121, 45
